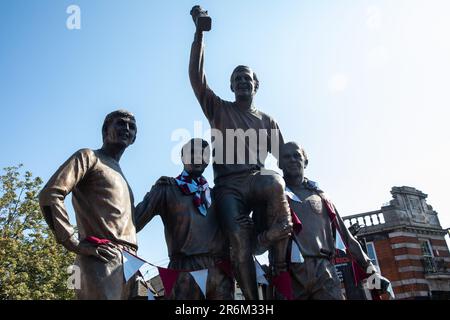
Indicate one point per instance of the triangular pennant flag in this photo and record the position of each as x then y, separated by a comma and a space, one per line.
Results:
225, 266
296, 223
296, 255
291, 195
330, 208
390, 290
168, 278
260, 274
339, 243
131, 264
200, 277
283, 284
358, 273
147, 271
150, 295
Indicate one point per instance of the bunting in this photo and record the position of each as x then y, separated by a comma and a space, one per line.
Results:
260, 274
390, 291
131, 265
296, 255
168, 278
97, 241
339, 244
296, 223
288, 192
358, 273
200, 277
150, 295
283, 284
147, 271
225, 266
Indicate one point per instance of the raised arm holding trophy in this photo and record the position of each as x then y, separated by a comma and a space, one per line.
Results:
242, 185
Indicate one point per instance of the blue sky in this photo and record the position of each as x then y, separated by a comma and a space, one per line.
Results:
363, 85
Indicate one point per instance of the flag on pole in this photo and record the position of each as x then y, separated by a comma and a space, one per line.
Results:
200, 277
131, 264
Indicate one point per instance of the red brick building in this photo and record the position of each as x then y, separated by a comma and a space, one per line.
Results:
406, 241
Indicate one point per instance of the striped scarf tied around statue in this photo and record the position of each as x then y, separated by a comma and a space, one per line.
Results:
198, 187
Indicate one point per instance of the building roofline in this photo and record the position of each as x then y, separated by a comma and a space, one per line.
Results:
365, 231
358, 215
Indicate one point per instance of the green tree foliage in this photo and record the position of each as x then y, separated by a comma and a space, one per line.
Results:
32, 264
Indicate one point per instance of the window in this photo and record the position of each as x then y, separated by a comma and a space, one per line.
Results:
372, 254
428, 260
425, 245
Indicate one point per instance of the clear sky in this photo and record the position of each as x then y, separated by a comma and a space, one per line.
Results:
363, 85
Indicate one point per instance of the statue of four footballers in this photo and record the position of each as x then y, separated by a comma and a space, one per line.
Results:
249, 210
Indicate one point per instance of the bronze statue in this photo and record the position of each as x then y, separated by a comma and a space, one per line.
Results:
104, 205
201, 19
193, 235
316, 277
240, 185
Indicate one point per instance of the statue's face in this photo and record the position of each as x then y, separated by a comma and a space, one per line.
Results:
121, 131
292, 161
195, 160
243, 84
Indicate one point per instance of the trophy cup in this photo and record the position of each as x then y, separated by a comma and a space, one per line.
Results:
201, 18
